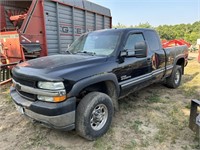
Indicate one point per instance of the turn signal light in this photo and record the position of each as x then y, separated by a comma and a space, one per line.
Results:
59, 98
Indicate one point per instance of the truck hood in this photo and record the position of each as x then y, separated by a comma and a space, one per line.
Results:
59, 67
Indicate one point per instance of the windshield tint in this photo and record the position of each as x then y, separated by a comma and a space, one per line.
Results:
97, 43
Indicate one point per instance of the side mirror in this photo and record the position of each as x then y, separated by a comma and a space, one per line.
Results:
140, 49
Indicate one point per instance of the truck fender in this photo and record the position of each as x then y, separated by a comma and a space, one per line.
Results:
178, 58
80, 85
178, 62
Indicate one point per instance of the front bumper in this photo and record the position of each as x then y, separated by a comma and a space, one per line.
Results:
55, 115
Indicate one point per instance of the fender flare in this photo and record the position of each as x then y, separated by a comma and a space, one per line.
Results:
177, 58
80, 85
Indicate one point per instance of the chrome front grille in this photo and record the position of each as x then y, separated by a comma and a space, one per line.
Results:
28, 83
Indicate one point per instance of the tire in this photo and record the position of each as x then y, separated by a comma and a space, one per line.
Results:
174, 80
94, 115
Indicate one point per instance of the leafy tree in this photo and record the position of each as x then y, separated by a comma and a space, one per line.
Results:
188, 32
144, 25
140, 25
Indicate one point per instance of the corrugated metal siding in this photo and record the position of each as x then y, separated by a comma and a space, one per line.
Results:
100, 22
51, 27
107, 22
65, 26
90, 21
64, 23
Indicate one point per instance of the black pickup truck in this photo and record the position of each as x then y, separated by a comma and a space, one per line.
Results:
80, 89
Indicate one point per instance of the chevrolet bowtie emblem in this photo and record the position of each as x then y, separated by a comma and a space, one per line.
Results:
18, 87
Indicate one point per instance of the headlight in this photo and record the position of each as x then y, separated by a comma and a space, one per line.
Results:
51, 85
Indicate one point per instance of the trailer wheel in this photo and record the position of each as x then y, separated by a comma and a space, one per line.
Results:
94, 115
174, 80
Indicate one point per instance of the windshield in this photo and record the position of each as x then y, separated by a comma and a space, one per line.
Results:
96, 43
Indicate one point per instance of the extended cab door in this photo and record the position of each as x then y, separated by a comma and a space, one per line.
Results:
156, 55
133, 73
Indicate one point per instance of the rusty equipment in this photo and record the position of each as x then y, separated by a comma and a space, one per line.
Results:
5, 73
31, 29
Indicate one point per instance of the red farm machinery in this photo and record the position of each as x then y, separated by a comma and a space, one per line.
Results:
174, 42
31, 29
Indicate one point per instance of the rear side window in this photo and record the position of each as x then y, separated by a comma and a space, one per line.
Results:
132, 40
153, 40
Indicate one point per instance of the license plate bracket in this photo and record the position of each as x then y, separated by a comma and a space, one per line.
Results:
20, 109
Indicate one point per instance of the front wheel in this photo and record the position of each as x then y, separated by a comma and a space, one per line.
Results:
174, 80
94, 115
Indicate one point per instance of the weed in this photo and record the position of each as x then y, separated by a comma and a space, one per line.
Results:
162, 134
99, 144
145, 143
167, 97
36, 141
188, 106
136, 126
185, 147
131, 145
153, 98
190, 92
53, 146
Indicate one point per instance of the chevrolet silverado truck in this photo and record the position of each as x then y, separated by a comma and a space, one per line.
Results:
80, 89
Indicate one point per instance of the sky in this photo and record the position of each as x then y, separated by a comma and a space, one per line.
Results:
155, 12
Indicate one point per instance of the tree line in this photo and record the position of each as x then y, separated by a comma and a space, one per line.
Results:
188, 32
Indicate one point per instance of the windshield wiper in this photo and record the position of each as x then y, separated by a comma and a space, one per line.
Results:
89, 53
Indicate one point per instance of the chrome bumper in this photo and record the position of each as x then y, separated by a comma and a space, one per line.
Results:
61, 122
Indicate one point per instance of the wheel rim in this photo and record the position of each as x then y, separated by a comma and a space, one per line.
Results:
177, 77
99, 117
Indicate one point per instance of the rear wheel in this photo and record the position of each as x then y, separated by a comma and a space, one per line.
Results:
174, 80
94, 115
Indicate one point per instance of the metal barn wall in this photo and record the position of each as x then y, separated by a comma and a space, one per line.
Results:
68, 19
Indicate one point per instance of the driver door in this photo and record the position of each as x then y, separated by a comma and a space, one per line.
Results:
133, 73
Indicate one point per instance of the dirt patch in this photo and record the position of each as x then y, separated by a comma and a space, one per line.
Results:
151, 119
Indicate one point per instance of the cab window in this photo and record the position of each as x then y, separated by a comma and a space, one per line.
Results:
153, 40
132, 40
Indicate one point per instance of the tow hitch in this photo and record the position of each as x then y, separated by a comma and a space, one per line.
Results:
194, 123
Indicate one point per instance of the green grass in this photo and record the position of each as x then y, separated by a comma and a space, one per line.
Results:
136, 125
131, 145
151, 117
100, 144
153, 98
191, 80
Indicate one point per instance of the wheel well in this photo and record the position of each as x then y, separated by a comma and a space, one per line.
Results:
106, 87
181, 63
